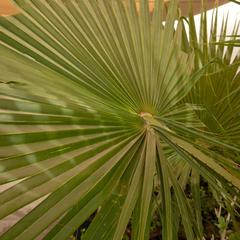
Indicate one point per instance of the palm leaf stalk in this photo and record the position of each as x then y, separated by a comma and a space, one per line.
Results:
102, 104
235, 1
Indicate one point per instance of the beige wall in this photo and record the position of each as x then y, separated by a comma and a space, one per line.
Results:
7, 8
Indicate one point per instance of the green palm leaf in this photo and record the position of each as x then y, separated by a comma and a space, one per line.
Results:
100, 104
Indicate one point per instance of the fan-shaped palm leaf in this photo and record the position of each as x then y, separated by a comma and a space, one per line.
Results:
93, 98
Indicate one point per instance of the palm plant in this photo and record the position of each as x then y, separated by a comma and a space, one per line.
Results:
109, 110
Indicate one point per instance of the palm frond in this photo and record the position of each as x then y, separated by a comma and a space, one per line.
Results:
99, 105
